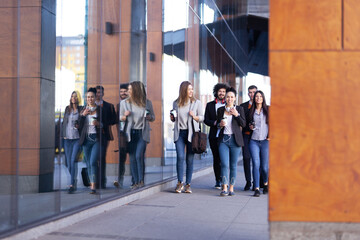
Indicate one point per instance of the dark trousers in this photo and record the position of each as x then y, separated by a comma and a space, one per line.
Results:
122, 160
216, 163
247, 158
102, 164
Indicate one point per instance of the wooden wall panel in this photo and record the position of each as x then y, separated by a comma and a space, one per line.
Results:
154, 76
8, 120
113, 68
14, 4
8, 162
153, 16
192, 49
154, 92
314, 151
125, 15
111, 10
310, 24
30, 42
29, 88
125, 39
8, 42
351, 24
110, 62
104, 55
29, 113
29, 162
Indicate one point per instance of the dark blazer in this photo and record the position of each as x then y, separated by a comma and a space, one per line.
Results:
108, 118
210, 118
84, 123
237, 124
245, 106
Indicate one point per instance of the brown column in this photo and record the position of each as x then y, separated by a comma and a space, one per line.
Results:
192, 43
105, 66
154, 76
314, 70
27, 72
110, 58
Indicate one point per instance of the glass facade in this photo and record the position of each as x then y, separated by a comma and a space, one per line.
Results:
52, 49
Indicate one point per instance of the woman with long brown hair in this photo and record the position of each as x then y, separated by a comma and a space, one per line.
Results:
70, 133
259, 144
137, 111
91, 126
231, 120
187, 113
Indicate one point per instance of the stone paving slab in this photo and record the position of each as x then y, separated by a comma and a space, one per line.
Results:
204, 214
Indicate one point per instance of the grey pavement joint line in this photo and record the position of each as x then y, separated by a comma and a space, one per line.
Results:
49, 227
150, 205
223, 233
96, 236
153, 218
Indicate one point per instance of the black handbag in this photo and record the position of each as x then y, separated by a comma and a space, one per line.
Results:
198, 141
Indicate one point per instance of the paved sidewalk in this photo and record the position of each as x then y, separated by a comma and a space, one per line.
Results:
168, 215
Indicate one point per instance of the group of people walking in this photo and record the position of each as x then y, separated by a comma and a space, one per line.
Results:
233, 130
87, 128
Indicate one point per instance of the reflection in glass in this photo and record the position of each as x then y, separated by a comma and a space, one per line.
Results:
205, 43
70, 76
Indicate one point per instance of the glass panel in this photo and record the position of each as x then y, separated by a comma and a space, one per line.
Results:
174, 72
9, 48
105, 43
70, 89
8, 208
36, 94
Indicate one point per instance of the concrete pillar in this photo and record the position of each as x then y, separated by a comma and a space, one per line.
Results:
27, 72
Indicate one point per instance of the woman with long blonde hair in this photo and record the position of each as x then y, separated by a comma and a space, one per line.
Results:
70, 133
137, 111
187, 112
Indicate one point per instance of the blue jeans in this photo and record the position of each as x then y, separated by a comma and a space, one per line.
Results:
180, 157
72, 149
229, 155
92, 155
137, 147
260, 159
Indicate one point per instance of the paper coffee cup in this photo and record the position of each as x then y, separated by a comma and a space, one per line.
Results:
174, 113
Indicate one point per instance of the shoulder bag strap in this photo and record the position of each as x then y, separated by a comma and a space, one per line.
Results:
192, 121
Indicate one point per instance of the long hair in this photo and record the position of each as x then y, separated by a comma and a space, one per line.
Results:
138, 95
263, 106
77, 103
183, 95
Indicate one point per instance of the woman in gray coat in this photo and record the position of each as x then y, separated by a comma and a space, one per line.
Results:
70, 133
187, 113
137, 111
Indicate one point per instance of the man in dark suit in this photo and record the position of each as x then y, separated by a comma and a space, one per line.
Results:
108, 115
246, 134
210, 117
